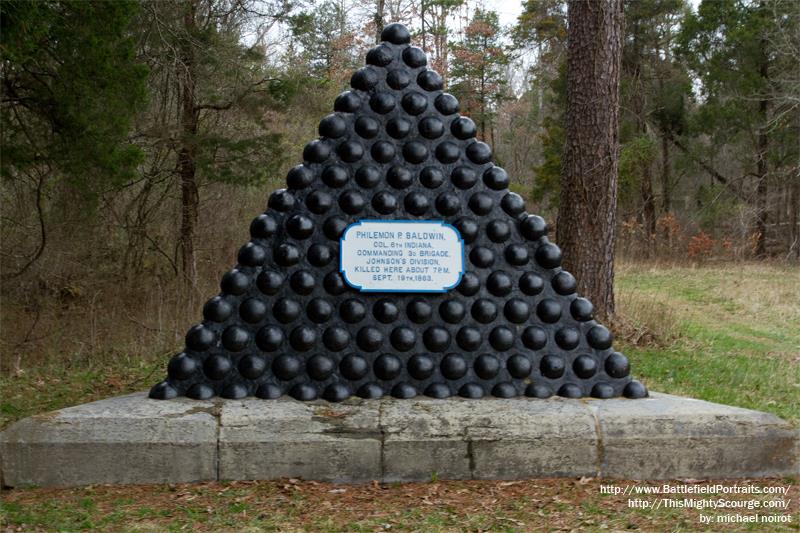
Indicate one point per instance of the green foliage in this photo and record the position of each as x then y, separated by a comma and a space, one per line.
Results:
72, 87
477, 70
634, 155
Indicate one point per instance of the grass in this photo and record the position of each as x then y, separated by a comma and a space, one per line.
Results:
292, 505
725, 333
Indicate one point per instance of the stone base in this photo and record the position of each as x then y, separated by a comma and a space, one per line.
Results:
132, 439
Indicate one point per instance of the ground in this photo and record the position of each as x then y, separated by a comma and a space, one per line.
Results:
727, 333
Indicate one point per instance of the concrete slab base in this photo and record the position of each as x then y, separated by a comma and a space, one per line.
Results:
131, 439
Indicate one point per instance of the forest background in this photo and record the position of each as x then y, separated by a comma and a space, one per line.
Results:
140, 138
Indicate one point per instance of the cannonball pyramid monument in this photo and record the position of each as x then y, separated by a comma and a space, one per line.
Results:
287, 321
396, 264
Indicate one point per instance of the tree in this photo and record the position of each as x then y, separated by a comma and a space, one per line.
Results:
478, 70
211, 93
71, 89
730, 45
587, 211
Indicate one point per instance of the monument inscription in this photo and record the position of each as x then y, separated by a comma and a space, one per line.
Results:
402, 256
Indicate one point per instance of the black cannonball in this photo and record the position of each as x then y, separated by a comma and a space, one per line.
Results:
431, 177
369, 338
368, 176
333, 126
385, 311
335, 338
299, 226
564, 283
501, 338
414, 103
463, 128
469, 339
217, 366
568, 338
534, 337
382, 151
384, 202
302, 338
549, 310
498, 231
504, 390
471, 390
367, 127
517, 310
452, 311
431, 128
182, 366
200, 338
484, 310
419, 310
364, 79
438, 390
398, 79
599, 337
403, 391
581, 309
316, 151
548, 255
430, 80
447, 104
319, 202
584, 366
286, 254
481, 257
421, 366
351, 202
334, 227
499, 283
268, 391
263, 227
396, 33
319, 310
334, 283
496, 178
447, 152
519, 366
463, 177
320, 367
538, 390
436, 339
387, 367
617, 365
269, 281
382, 103
163, 391
414, 57
380, 56
217, 309
513, 204
448, 204
570, 390
481, 203
352, 310
303, 392
479, 153
468, 229
402, 338
200, 391
487, 366
319, 255
603, 391
286, 367
354, 367
269, 338
453, 366
252, 366
334, 176
552, 366
336, 392
635, 390
533, 227
252, 254
399, 177
399, 127
253, 310
470, 284
285, 310
415, 152
348, 101
370, 391
516, 254
416, 203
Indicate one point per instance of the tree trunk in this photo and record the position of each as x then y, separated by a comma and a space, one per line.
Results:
763, 147
379, 8
666, 176
794, 212
187, 154
587, 211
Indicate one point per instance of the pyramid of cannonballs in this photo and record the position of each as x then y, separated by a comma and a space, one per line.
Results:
286, 321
